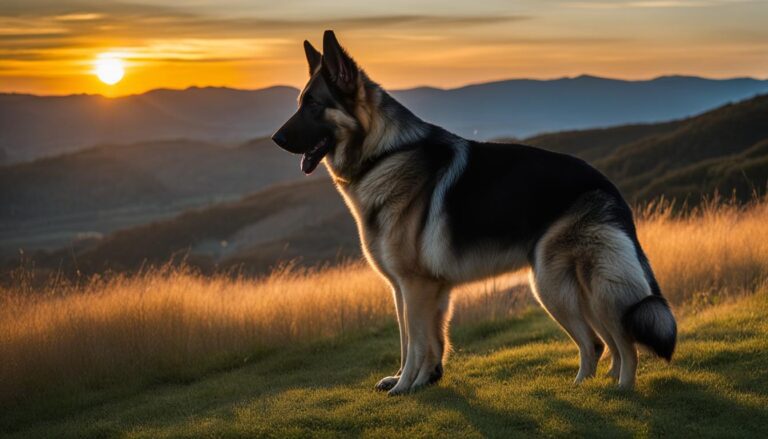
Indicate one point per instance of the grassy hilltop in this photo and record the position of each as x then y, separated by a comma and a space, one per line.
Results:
507, 379
169, 352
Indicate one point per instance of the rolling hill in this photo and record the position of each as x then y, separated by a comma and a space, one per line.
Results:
40, 126
305, 221
725, 149
45, 203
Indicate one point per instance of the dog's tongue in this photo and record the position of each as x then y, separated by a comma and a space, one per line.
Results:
312, 158
308, 163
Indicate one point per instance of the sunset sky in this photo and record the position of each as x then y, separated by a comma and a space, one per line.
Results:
50, 46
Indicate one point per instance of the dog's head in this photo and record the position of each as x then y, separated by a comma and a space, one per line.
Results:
326, 105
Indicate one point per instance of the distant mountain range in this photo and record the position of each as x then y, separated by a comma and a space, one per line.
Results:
521, 108
40, 126
725, 149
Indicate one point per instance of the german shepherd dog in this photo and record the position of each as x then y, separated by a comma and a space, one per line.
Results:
434, 210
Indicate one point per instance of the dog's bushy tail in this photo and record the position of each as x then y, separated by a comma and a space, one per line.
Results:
651, 323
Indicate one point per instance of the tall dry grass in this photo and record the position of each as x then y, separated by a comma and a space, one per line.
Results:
718, 250
173, 324
168, 323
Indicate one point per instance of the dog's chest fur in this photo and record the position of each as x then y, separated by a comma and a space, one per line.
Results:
390, 204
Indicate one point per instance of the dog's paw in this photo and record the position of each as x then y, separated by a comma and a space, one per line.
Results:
436, 374
387, 383
396, 391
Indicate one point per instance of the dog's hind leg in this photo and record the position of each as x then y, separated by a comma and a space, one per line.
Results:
421, 299
606, 336
604, 297
583, 274
624, 353
389, 382
557, 289
616, 281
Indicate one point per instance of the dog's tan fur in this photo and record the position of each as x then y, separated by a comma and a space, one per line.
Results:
396, 189
587, 272
419, 264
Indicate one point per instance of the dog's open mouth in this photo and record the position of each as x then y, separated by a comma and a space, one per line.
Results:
311, 158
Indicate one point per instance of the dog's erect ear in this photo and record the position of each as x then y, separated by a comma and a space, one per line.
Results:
340, 67
314, 58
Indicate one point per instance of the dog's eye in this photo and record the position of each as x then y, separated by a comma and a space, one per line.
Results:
311, 103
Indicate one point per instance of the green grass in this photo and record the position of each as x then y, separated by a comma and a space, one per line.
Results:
505, 379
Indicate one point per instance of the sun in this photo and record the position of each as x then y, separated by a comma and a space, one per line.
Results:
109, 69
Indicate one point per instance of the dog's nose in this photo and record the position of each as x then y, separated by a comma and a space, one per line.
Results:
279, 138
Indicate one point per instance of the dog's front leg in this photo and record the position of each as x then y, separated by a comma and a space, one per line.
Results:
389, 382
421, 302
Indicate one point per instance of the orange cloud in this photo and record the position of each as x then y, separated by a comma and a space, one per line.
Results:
48, 46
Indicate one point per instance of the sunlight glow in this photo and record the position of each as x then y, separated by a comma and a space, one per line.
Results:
247, 44
109, 69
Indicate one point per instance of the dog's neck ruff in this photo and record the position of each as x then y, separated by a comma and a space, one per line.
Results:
368, 164
391, 131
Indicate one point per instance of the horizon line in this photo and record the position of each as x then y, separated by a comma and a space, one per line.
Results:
417, 87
